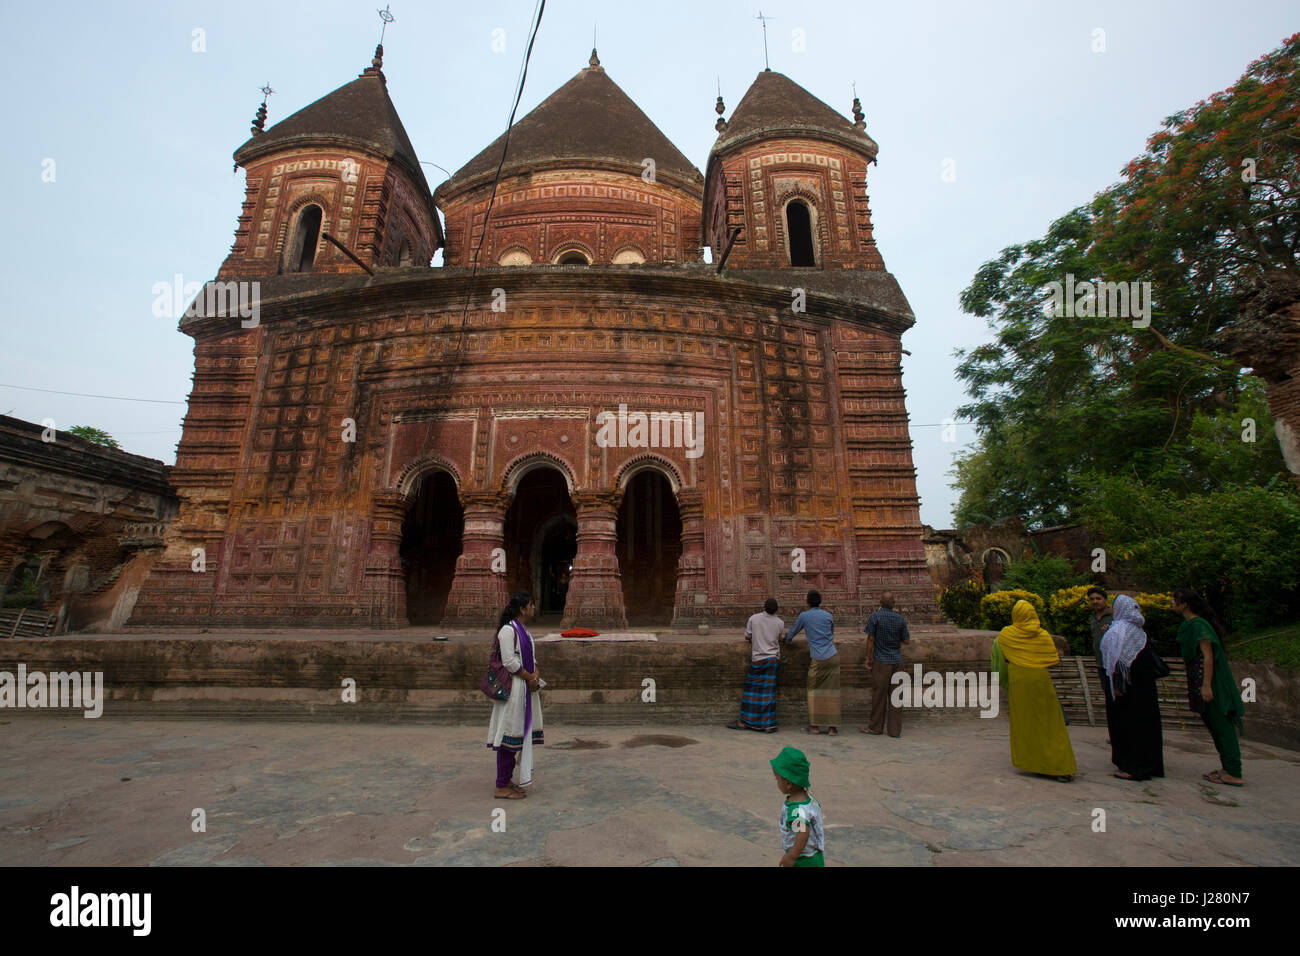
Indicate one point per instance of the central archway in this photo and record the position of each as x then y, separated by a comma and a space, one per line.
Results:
649, 548
431, 543
541, 539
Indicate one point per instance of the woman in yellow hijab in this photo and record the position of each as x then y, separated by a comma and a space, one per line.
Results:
1022, 653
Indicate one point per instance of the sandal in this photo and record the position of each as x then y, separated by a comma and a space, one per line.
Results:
832, 732
1124, 776
735, 725
1214, 777
510, 794
810, 729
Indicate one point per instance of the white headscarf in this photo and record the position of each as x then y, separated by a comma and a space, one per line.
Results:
1123, 641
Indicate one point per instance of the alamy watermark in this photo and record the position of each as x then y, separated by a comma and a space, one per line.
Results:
219, 299
1115, 300
948, 689
58, 689
624, 429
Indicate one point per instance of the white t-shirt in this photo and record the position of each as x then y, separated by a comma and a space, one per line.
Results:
765, 631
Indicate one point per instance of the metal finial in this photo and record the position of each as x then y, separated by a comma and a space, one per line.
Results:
259, 122
377, 63
766, 65
858, 115
721, 124
594, 62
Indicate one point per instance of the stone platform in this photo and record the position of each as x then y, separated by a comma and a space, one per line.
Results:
408, 676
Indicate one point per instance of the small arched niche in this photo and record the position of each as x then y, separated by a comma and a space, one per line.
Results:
572, 257
515, 257
628, 256
799, 233
306, 237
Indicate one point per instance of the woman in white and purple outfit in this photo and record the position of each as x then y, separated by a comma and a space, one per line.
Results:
516, 725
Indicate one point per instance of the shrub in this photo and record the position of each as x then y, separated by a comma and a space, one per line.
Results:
1044, 575
1234, 544
1070, 616
995, 608
960, 603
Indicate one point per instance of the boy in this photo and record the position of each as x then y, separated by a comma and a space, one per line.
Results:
801, 815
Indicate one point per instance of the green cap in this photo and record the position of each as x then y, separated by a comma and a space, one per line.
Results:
792, 765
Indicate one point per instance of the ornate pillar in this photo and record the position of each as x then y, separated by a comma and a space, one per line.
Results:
478, 591
383, 582
595, 597
692, 589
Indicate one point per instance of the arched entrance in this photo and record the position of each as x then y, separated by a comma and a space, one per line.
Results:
995, 566
649, 547
541, 539
431, 543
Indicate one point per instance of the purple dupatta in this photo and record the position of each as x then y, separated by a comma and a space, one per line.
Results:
526, 652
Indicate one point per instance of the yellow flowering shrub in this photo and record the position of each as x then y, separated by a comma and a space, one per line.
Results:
995, 608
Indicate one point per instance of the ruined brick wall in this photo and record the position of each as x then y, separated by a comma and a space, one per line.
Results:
73, 508
1284, 405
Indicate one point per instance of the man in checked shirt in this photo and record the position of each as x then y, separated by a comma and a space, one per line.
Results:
886, 634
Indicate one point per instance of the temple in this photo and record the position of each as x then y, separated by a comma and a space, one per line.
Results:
391, 443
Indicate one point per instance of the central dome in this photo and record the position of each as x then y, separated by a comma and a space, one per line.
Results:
587, 180
589, 121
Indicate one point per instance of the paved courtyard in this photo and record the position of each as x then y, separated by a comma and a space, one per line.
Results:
83, 792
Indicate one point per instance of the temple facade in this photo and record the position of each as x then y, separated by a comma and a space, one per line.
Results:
575, 402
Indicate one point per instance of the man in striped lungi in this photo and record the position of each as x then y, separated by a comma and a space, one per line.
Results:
758, 701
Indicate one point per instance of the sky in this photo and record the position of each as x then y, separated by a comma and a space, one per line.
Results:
993, 120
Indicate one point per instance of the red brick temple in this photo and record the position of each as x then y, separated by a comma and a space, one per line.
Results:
575, 402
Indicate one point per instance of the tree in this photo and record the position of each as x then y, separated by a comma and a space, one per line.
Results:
95, 436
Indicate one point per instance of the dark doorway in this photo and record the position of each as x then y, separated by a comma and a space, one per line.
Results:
431, 543
798, 224
995, 567
648, 549
302, 254
541, 537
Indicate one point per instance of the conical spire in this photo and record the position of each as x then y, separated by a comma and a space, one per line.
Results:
776, 105
359, 113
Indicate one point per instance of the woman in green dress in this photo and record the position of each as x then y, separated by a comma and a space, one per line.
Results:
1021, 655
1211, 689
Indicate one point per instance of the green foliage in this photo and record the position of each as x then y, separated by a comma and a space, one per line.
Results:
1279, 646
95, 436
995, 608
960, 603
1236, 545
1042, 574
26, 594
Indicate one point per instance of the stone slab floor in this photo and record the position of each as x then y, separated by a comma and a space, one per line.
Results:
100, 792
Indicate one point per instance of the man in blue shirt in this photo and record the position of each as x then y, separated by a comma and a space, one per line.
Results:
824, 671
886, 635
